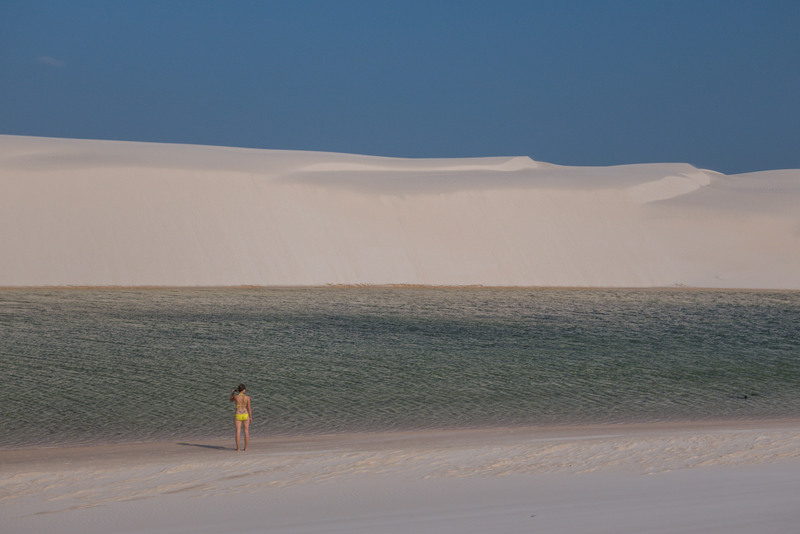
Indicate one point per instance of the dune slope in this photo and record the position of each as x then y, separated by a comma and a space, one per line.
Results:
98, 213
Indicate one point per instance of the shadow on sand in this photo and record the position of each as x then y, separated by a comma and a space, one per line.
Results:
215, 447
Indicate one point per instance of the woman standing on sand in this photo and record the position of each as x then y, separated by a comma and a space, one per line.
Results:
243, 414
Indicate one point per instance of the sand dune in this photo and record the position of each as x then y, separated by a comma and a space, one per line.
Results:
96, 213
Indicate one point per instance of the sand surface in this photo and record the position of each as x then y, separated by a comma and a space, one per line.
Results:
105, 213
702, 477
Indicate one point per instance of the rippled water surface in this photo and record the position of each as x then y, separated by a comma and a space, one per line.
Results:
111, 365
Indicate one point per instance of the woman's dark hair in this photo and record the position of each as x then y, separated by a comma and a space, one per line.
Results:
241, 388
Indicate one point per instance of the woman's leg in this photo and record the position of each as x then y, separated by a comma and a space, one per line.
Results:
238, 425
246, 432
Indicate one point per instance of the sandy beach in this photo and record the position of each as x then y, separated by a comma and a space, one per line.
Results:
667, 477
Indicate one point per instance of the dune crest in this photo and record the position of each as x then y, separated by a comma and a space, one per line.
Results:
422, 165
99, 213
669, 187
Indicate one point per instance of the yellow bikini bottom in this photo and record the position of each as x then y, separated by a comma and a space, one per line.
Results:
241, 416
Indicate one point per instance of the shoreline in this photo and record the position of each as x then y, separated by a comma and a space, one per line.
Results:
336, 440
381, 440
677, 287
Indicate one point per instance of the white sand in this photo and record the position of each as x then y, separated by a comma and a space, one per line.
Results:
623, 479
81, 212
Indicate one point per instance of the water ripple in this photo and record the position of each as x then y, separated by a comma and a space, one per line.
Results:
129, 365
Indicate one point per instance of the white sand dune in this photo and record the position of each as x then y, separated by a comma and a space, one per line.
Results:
100, 213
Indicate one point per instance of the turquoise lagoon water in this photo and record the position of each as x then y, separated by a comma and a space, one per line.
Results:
119, 365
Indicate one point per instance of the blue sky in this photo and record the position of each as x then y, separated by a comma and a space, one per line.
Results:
712, 83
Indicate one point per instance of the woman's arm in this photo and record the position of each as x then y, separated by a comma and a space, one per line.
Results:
249, 411
233, 395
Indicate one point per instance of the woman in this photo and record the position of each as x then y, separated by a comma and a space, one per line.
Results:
243, 414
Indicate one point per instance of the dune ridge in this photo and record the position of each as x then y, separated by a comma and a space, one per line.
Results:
111, 213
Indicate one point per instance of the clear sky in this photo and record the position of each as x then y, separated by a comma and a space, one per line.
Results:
711, 83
